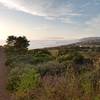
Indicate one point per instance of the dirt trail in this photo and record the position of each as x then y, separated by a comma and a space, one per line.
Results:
3, 77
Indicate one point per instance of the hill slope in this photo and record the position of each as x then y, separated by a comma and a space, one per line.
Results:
88, 42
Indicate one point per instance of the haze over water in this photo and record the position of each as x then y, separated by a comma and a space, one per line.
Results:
35, 44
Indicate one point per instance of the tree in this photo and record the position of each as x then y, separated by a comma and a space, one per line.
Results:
11, 40
17, 44
21, 43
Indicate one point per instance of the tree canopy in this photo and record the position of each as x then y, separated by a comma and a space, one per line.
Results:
18, 44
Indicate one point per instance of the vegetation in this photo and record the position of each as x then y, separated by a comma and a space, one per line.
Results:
54, 73
17, 44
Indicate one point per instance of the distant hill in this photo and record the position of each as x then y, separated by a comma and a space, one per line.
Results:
91, 40
88, 42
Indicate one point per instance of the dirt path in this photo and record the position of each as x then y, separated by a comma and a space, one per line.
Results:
3, 77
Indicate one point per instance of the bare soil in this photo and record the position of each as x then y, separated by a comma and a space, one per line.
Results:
4, 95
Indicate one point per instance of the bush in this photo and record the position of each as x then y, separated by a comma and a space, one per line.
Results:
76, 58
51, 68
41, 58
22, 78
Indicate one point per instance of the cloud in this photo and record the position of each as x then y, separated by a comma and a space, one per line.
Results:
50, 9
94, 25
16, 6
86, 5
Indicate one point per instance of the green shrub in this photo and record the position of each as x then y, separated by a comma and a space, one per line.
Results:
28, 80
74, 57
97, 97
22, 78
51, 68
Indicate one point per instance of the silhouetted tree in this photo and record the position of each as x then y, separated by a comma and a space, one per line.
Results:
11, 40
21, 43
17, 44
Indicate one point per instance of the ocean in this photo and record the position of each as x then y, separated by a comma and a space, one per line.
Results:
35, 44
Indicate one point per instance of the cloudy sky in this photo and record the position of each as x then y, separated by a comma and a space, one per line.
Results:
50, 19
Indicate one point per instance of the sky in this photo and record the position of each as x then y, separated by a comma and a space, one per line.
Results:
50, 19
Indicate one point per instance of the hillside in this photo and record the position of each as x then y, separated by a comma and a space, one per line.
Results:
89, 42
68, 72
